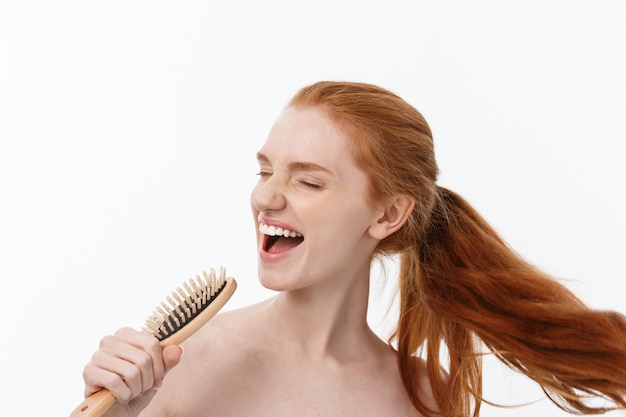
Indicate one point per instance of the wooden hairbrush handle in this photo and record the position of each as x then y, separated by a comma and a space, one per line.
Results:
99, 402
95, 405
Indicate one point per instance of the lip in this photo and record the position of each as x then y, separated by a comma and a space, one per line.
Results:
273, 257
275, 223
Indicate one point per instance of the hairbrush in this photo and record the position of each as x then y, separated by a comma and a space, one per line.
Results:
173, 321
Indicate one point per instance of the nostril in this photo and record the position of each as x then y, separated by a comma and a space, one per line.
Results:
265, 197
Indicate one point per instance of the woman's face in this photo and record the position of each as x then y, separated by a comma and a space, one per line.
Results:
311, 192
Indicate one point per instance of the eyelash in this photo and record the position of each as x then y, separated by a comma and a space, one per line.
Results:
311, 185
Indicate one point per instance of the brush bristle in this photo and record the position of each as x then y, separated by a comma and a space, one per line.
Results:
185, 304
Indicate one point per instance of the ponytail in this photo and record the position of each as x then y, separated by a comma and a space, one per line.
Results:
462, 287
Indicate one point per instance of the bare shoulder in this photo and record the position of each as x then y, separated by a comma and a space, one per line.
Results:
425, 384
216, 359
227, 326
225, 341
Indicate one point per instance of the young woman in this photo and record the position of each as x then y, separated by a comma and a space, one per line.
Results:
347, 174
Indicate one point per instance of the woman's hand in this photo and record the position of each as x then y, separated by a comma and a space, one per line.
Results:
130, 364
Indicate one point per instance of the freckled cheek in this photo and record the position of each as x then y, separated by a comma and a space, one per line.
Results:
347, 213
354, 221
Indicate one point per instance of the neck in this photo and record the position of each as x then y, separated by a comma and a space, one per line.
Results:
328, 320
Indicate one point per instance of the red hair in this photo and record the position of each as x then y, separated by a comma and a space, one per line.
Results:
461, 286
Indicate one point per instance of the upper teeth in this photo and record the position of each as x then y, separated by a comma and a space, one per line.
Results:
277, 231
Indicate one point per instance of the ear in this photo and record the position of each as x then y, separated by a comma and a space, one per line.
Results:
393, 214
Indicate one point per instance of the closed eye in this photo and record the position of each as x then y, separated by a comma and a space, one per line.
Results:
311, 185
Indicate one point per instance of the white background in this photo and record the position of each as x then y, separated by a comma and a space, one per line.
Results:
128, 132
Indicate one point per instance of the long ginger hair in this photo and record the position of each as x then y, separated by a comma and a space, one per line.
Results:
461, 286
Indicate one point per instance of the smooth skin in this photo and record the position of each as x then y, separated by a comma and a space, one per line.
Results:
308, 351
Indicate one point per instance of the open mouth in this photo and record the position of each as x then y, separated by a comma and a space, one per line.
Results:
277, 239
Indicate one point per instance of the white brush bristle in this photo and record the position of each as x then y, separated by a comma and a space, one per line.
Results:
184, 304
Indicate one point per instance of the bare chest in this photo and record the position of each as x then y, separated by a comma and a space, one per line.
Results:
305, 392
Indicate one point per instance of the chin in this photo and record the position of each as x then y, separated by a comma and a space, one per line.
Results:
273, 283
277, 281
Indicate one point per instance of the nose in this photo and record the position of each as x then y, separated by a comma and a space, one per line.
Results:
269, 195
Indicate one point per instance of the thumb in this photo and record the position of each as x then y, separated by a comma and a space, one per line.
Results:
171, 356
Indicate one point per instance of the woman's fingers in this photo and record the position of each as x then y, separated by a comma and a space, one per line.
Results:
127, 364
171, 356
148, 354
97, 378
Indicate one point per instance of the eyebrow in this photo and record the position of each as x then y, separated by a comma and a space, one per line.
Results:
297, 165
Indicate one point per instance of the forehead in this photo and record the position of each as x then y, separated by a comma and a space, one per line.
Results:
307, 133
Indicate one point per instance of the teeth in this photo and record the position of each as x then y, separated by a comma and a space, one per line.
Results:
277, 231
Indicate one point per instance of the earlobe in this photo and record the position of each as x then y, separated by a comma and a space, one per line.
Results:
392, 216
